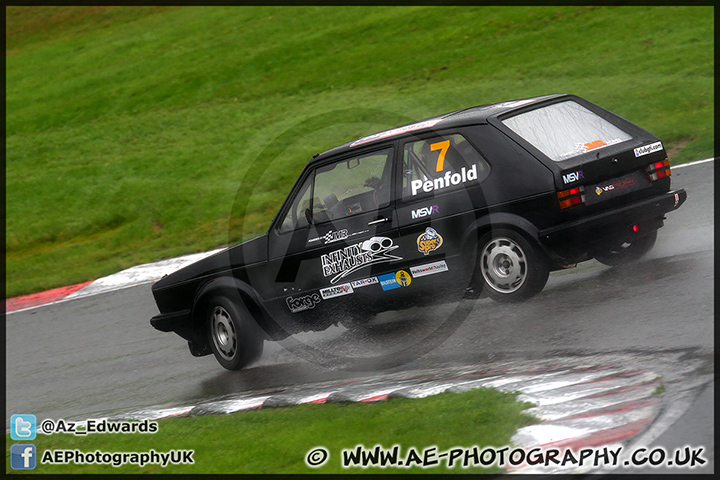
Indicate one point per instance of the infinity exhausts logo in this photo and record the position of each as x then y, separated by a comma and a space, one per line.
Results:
345, 261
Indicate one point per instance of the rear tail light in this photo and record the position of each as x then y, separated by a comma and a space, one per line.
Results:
571, 197
658, 170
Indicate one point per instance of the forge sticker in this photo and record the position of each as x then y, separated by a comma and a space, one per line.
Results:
336, 291
345, 261
300, 304
429, 241
429, 269
364, 282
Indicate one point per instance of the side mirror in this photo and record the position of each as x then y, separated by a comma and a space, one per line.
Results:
308, 216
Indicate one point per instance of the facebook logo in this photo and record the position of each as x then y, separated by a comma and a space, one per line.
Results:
22, 427
23, 457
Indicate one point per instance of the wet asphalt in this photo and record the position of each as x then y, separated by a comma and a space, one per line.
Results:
99, 355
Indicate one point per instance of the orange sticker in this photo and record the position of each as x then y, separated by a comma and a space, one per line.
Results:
595, 144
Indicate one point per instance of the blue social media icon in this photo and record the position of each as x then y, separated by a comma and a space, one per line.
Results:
22, 427
23, 457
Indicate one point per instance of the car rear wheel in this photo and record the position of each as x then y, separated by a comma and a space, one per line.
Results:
235, 338
626, 252
513, 268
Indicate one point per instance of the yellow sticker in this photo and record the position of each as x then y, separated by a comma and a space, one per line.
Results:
429, 240
403, 278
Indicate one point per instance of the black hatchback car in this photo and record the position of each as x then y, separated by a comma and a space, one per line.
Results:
487, 199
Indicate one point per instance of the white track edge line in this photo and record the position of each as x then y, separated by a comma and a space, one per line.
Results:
696, 162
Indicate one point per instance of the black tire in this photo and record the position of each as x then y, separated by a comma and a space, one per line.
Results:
511, 268
234, 336
627, 252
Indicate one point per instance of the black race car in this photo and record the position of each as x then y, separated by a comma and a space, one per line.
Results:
487, 199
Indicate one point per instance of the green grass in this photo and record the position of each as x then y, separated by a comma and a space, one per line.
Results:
129, 130
277, 440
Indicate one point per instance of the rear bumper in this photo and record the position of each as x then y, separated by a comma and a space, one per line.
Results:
600, 226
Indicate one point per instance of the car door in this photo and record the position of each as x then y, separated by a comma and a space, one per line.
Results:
337, 236
442, 177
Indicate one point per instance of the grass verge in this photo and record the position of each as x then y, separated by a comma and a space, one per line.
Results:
277, 440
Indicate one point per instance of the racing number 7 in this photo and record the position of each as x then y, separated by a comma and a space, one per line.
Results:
443, 147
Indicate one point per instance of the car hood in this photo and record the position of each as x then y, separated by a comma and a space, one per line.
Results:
244, 254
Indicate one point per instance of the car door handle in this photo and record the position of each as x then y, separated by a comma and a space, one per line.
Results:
378, 221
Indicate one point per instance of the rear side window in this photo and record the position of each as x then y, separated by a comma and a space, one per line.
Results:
441, 164
565, 130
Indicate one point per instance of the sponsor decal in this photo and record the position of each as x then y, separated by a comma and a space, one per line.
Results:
347, 260
618, 185
450, 178
595, 144
573, 177
403, 278
624, 183
586, 147
397, 131
301, 304
425, 211
392, 281
364, 282
653, 147
429, 269
336, 291
336, 236
388, 282
429, 241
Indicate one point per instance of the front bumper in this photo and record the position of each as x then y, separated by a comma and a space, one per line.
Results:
178, 322
570, 236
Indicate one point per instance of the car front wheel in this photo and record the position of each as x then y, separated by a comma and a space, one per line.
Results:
513, 269
626, 252
235, 338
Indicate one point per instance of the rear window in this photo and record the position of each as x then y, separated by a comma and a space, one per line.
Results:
565, 130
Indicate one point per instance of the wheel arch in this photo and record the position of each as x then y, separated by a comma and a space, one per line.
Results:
525, 227
233, 289
475, 231
482, 225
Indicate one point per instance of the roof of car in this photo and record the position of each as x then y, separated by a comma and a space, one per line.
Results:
472, 115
